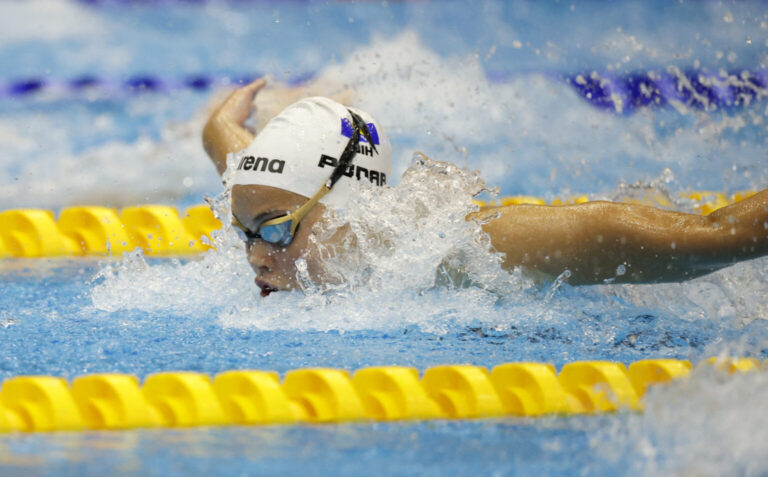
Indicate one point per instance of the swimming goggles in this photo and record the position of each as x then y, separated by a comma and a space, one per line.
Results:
281, 230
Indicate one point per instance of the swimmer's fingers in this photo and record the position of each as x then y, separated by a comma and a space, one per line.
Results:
238, 104
254, 86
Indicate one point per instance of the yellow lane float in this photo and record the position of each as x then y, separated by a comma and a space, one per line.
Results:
328, 395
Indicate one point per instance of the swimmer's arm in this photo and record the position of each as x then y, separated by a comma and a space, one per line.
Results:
224, 132
594, 239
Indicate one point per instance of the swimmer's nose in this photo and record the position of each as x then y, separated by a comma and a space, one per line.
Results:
260, 260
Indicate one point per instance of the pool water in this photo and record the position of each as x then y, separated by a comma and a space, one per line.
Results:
486, 447
103, 103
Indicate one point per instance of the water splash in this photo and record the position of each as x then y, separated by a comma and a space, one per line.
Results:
736, 294
410, 257
159, 165
417, 261
444, 105
439, 272
219, 278
416, 235
533, 134
49, 20
710, 424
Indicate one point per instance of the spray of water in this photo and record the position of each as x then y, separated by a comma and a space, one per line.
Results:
414, 247
417, 235
710, 424
414, 238
534, 135
219, 278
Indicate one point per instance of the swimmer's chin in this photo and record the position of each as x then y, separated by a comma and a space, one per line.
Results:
266, 288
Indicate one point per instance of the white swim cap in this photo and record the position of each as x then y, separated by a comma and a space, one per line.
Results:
300, 147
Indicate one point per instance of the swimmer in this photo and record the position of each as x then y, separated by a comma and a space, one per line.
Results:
304, 159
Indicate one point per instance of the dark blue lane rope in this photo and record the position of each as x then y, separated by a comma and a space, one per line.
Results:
620, 94
626, 93
138, 84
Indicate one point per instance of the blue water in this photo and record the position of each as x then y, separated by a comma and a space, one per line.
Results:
51, 301
482, 84
511, 447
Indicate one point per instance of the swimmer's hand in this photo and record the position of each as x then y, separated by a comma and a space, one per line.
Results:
238, 104
225, 132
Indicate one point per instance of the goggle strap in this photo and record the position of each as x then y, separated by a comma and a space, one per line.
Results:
299, 213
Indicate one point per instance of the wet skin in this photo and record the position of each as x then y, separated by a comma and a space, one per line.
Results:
275, 265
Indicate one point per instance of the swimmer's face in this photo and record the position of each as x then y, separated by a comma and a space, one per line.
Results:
274, 264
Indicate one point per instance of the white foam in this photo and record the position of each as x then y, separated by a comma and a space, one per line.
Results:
736, 293
532, 129
426, 104
399, 274
44, 172
532, 134
406, 234
218, 279
49, 20
711, 424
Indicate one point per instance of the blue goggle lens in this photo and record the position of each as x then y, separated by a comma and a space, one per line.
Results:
277, 233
